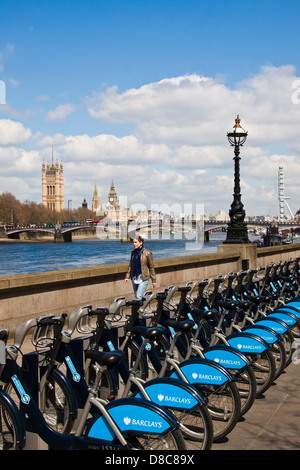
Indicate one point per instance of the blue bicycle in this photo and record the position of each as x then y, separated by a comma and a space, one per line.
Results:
122, 424
209, 378
182, 399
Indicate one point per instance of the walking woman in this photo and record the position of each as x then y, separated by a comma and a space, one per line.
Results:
141, 268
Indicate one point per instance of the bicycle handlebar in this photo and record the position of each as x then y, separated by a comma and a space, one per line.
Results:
99, 310
134, 302
51, 320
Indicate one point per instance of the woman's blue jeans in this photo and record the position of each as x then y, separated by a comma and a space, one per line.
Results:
139, 289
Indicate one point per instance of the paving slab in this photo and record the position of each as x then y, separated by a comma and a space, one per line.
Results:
273, 422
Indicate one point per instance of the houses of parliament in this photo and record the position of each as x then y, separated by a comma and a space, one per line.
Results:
53, 194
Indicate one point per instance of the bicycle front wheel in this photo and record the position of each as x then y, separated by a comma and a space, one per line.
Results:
107, 389
56, 405
9, 430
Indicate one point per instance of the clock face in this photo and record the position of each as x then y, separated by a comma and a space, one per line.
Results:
111, 199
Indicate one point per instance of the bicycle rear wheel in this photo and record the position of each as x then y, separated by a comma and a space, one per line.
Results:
196, 424
279, 353
173, 440
288, 340
246, 384
264, 370
224, 406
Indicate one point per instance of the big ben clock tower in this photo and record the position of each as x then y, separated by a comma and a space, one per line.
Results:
112, 196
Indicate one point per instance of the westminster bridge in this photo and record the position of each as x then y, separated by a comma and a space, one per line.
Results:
63, 232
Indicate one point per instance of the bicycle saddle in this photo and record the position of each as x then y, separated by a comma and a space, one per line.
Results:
229, 305
149, 333
201, 314
105, 358
180, 325
256, 299
244, 304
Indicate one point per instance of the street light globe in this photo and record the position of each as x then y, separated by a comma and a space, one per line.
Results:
237, 137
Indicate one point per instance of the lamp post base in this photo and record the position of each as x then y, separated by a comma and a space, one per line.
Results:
247, 253
236, 234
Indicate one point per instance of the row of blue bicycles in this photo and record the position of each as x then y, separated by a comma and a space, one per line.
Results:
180, 365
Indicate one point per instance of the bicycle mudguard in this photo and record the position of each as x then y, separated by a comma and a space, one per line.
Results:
228, 357
16, 412
289, 310
172, 393
295, 303
274, 323
287, 318
247, 343
264, 332
204, 371
132, 415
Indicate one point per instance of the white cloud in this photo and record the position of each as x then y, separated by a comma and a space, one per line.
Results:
197, 110
178, 152
61, 112
103, 148
13, 133
17, 161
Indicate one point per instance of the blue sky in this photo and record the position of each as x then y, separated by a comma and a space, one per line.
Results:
144, 92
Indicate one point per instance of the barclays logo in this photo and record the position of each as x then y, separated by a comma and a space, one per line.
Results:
142, 422
227, 362
249, 347
181, 400
217, 378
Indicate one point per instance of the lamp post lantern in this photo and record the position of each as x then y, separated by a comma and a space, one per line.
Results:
237, 231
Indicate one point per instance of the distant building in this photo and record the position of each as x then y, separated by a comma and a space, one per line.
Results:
112, 196
53, 186
111, 208
96, 201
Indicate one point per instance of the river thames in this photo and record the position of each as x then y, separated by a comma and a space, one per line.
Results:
34, 257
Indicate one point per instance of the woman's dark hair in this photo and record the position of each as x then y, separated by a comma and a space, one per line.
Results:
139, 238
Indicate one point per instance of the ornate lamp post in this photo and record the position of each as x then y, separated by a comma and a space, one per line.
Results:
237, 229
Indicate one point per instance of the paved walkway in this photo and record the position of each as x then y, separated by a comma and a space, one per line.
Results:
273, 422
